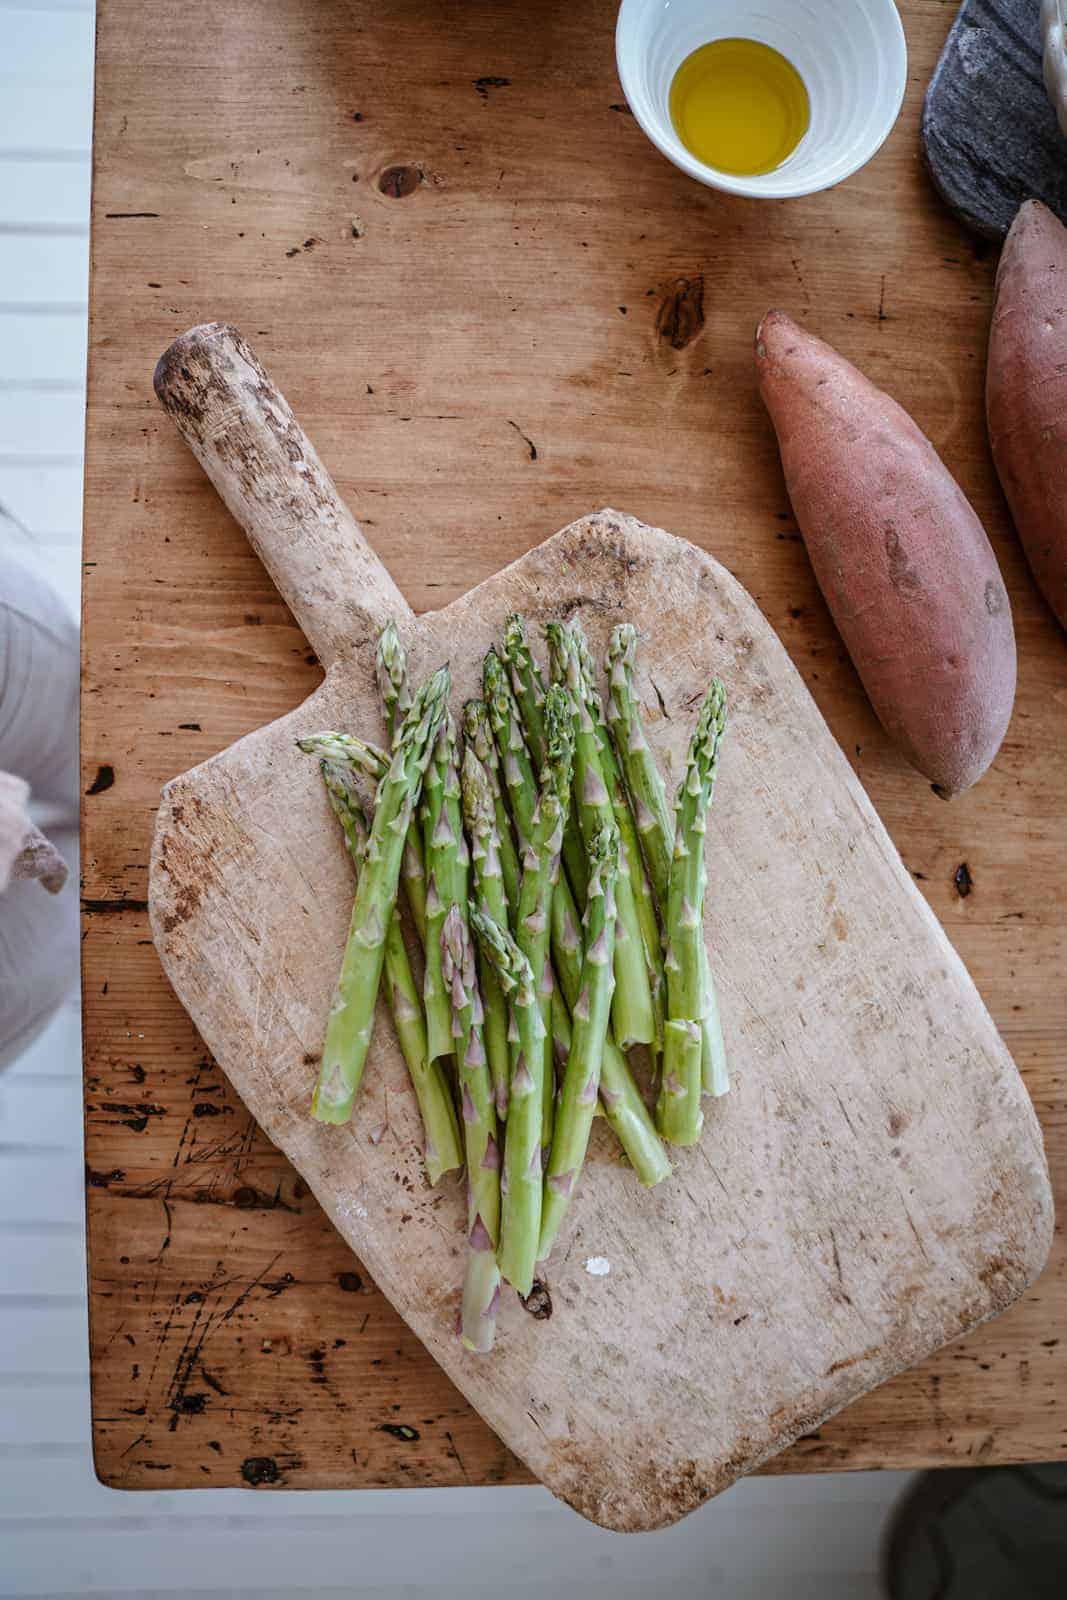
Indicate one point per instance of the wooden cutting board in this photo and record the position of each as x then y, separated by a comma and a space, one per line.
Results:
874, 1185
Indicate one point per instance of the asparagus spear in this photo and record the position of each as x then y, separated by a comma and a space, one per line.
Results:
521, 785
368, 758
644, 901
621, 1102
443, 1151
391, 670
655, 825
520, 1220
623, 1105
481, 1288
540, 875
479, 736
527, 685
490, 897
528, 688
345, 747
678, 1112
629, 1117
592, 1014
351, 1019
633, 1018
505, 720
476, 1090
446, 864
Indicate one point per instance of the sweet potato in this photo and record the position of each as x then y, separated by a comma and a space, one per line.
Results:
1026, 392
902, 559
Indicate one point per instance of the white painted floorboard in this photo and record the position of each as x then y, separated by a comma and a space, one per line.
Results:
62, 1534
43, 349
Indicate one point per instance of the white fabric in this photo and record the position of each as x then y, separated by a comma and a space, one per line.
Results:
15, 823
38, 758
25, 852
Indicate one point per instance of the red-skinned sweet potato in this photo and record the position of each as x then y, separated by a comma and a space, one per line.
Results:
1026, 392
901, 557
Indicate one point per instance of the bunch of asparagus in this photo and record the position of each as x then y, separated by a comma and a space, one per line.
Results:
569, 930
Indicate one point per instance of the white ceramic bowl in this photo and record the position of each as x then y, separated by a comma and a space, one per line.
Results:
850, 53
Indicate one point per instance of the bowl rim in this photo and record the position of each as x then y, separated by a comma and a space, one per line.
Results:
749, 187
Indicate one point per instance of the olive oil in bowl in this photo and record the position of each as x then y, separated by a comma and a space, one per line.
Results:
739, 106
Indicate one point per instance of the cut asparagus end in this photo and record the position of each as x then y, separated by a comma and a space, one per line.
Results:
333, 1101
581, 1078
476, 1089
521, 1182
481, 1293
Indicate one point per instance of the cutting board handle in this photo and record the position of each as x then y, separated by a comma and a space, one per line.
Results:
241, 430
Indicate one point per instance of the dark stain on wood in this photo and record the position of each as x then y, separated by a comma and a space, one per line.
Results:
133, 1116
482, 86
399, 182
680, 315
256, 1470
103, 1180
105, 778
188, 1405
527, 441
99, 908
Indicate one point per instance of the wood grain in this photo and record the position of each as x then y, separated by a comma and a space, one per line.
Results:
484, 313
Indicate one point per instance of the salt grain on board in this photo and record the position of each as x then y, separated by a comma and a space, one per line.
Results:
348, 1205
598, 1266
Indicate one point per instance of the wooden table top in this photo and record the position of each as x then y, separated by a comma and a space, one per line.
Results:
494, 307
